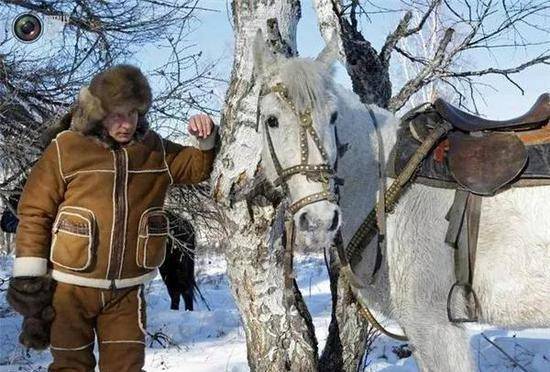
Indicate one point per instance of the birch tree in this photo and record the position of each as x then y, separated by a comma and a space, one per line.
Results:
278, 327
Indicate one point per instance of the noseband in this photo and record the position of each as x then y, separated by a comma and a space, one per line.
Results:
316, 172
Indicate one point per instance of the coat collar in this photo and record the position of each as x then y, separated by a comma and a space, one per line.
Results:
103, 138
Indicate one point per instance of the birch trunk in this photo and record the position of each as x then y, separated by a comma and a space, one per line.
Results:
348, 330
278, 327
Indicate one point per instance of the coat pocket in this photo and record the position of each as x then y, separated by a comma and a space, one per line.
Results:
73, 238
152, 235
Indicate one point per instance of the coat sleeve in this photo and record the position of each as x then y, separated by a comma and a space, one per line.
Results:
37, 209
189, 164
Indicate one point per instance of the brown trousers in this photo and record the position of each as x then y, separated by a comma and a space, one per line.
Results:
117, 317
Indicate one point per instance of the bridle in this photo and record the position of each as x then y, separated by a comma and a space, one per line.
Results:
316, 172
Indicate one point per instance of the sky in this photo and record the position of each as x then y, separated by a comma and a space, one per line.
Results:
214, 36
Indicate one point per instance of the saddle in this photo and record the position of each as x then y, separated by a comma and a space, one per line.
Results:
478, 155
536, 116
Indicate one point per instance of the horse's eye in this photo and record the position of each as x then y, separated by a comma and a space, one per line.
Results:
272, 121
333, 117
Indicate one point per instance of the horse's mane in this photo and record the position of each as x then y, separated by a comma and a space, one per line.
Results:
307, 81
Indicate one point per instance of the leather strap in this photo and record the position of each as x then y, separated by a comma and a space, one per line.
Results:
462, 235
310, 199
316, 172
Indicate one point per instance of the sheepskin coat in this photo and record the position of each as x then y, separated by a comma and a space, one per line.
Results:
92, 212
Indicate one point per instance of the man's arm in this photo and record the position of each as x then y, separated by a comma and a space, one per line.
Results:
188, 164
37, 209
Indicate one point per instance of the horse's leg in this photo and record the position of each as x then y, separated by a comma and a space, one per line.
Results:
187, 295
166, 272
174, 297
169, 276
173, 289
187, 275
187, 280
421, 270
437, 344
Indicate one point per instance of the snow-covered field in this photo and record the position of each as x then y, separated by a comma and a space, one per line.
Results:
213, 340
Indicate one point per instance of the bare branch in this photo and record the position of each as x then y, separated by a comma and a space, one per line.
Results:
402, 31
36, 89
491, 70
423, 77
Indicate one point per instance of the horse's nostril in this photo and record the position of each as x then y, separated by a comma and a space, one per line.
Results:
335, 220
303, 222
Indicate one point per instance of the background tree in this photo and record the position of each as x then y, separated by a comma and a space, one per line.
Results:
461, 30
39, 81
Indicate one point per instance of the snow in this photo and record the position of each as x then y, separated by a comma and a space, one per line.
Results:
214, 340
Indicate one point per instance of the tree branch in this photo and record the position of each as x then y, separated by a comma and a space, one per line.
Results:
491, 70
402, 31
413, 85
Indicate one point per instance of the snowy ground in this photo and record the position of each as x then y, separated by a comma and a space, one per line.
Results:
214, 340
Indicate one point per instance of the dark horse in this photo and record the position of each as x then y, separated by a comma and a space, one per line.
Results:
178, 269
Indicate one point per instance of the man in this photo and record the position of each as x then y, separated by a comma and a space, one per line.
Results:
92, 229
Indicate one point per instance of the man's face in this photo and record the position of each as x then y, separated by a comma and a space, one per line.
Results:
121, 123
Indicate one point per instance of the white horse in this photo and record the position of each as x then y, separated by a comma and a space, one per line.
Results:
512, 275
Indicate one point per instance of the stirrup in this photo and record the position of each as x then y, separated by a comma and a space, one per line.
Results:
469, 290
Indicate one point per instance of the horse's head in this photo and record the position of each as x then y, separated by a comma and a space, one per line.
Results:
296, 116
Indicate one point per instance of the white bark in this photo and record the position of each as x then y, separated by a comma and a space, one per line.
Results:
328, 22
278, 328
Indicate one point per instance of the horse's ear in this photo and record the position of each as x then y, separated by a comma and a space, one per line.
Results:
330, 52
262, 55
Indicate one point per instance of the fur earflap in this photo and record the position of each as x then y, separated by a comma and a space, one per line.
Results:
88, 112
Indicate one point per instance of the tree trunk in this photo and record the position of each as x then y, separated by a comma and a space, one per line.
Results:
371, 82
368, 70
348, 330
278, 327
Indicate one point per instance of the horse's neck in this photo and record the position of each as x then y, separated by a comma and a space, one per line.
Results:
359, 156
356, 119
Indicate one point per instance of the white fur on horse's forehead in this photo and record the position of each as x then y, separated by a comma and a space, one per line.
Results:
309, 82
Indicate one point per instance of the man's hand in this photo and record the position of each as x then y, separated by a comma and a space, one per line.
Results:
32, 298
200, 125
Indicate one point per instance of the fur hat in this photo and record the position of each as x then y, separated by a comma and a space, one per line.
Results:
113, 87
